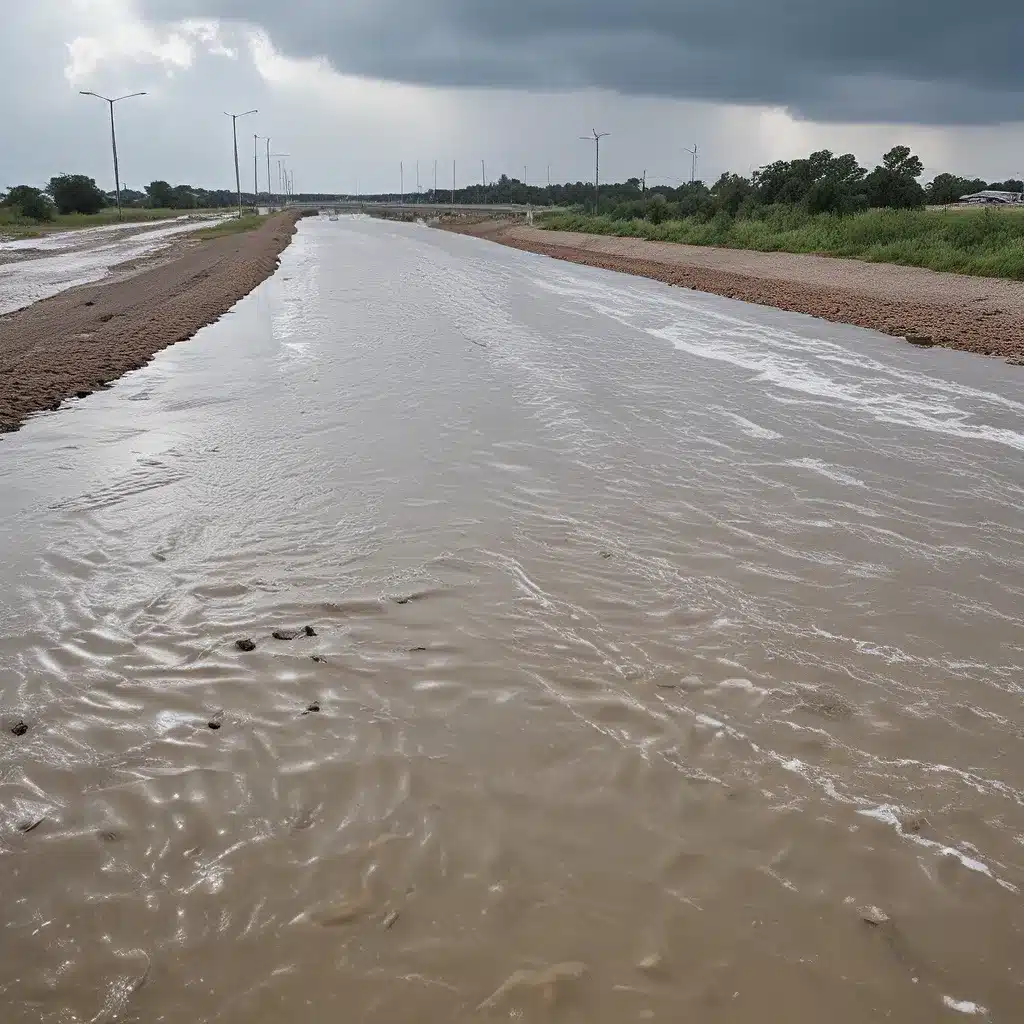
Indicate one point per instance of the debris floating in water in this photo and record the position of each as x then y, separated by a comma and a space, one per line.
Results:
245, 645
19, 728
284, 634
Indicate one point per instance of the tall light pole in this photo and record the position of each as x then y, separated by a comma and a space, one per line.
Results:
255, 170
693, 163
597, 137
435, 181
270, 187
234, 135
113, 137
401, 180
280, 173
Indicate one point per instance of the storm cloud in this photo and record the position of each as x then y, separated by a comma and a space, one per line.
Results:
909, 61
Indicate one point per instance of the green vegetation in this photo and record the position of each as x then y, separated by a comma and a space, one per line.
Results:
987, 242
822, 204
232, 227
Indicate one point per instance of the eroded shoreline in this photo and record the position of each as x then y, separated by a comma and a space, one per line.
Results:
82, 339
972, 314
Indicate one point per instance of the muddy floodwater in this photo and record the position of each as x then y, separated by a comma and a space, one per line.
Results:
668, 662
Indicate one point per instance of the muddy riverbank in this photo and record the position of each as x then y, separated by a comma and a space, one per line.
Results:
973, 314
73, 343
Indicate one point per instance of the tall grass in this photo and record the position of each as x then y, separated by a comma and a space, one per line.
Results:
986, 243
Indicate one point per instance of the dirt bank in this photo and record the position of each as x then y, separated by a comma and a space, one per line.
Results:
84, 338
974, 314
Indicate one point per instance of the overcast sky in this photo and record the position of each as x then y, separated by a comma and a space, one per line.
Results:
349, 88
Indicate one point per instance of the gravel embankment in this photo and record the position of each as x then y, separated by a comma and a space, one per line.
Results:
975, 314
73, 343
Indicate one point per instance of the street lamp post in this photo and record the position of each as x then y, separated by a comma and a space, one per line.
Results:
234, 135
113, 137
255, 170
270, 187
280, 174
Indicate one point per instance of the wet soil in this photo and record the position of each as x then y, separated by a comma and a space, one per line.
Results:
71, 344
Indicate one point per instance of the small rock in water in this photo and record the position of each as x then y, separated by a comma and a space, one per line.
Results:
319, 659
19, 729
313, 708
309, 630
245, 645
213, 724
606, 554
924, 340
417, 650
216, 720
873, 915
284, 634
402, 600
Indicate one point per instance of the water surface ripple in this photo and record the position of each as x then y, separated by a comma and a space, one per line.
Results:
668, 662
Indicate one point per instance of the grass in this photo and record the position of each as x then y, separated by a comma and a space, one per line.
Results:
233, 226
13, 226
984, 243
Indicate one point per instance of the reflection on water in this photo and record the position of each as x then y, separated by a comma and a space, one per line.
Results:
667, 662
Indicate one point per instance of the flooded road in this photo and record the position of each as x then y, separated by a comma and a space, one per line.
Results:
36, 268
668, 662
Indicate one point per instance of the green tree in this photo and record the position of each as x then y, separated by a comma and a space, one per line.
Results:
76, 193
29, 202
901, 161
894, 182
730, 193
161, 195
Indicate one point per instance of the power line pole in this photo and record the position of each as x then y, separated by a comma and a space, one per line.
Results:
280, 171
270, 187
234, 136
549, 175
255, 171
401, 178
453, 183
483, 174
435, 181
417, 176
113, 137
693, 163
643, 187
597, 137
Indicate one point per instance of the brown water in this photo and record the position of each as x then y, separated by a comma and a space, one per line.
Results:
663, 638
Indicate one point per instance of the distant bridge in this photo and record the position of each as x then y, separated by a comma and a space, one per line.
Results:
418, 209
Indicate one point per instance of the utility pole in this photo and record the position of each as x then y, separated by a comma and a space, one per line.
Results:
435, 181
526, 176
483, 174
234, 136
453, 183
597, 137
693, 163
280, 171
417, 176
270, 187
113, 137
401, 179
255, 171
549, 175
643, 187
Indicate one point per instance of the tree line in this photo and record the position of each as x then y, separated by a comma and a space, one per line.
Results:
78, 193
819, 183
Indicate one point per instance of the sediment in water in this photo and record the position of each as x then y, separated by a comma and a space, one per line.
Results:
972, 314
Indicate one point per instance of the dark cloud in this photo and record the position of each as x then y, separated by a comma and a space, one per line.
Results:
914, 61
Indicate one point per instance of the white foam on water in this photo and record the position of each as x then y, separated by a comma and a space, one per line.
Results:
964, 1006
792, 362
